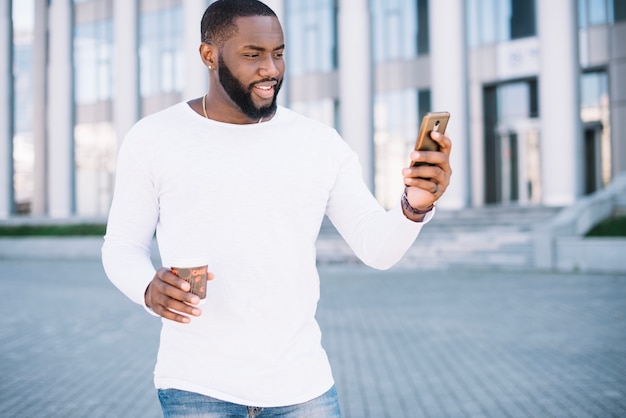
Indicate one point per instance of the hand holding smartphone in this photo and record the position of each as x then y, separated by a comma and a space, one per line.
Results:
433, 121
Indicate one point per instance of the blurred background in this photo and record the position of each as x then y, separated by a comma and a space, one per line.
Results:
536, 91
537, 96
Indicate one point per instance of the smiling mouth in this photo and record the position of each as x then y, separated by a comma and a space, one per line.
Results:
265, 91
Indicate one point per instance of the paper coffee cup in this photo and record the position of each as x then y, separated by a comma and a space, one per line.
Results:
195, 274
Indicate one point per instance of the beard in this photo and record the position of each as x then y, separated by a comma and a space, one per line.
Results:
242, 96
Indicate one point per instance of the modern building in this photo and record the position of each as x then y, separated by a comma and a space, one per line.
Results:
536, 90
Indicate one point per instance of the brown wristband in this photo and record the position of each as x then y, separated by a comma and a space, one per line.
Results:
410, 209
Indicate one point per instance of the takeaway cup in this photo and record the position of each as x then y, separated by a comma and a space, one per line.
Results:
195, 272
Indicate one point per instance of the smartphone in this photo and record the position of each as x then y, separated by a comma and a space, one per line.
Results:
433, 121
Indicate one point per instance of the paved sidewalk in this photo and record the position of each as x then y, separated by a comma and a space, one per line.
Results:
403, 343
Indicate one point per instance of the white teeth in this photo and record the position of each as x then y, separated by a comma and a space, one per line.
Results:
264, 87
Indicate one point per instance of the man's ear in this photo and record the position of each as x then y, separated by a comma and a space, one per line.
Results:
208, 55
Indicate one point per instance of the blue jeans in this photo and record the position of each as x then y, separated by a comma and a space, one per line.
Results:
179, 403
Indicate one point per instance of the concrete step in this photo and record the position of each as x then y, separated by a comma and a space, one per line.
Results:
474, 238
477, 238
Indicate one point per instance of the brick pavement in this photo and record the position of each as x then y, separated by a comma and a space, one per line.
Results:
403, 343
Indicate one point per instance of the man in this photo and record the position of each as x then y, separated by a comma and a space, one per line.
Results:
245, 183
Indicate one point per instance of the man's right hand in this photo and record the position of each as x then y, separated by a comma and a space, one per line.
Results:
169, 296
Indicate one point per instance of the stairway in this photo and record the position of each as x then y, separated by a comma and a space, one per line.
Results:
484, 238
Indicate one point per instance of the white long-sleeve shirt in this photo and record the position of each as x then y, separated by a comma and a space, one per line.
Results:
250, 199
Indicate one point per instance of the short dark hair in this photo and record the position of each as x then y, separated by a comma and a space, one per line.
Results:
218, 21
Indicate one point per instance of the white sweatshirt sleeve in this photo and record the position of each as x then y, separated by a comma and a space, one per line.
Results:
380, 238
130, 229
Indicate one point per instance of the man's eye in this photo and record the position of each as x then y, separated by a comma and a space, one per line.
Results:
279, 54
251, 55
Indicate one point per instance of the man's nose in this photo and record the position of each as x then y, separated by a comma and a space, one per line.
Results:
269, 68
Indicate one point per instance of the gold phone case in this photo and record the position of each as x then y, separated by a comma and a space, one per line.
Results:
433, 121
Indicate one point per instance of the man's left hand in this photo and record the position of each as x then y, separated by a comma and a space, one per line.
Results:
426, 183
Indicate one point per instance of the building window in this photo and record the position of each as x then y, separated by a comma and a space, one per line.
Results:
397, 116
161, 52
23, 147
619, 10
95, 145
93, 61
600, 12
594, 114
95, 154
512, 143
324, 111
521, 19
594, 94
493, 21
400, 29
312, 36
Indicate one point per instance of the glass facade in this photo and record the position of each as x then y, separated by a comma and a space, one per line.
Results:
400, 29
493, 21
595, 116
400, 32
600, 12
512, 143
397, 116
311, 47
311, 33
399, 43
23, 148
161, 51
93, 61
324, 111
95, 145
619, 10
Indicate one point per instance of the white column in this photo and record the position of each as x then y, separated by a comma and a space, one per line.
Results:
61, 202
356, 82
559, 105
449, 86
126, 99
6, 110
40, 114
196, 77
